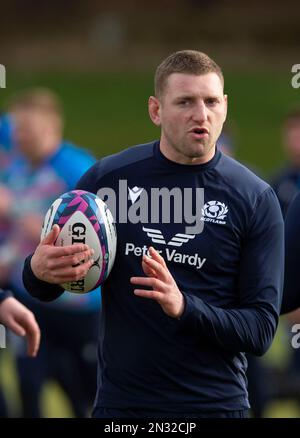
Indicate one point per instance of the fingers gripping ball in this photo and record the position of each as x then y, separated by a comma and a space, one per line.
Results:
84, 218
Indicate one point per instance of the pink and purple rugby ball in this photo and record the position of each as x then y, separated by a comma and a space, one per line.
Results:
84, 218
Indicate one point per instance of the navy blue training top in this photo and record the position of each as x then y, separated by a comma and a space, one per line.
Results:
291, 295
230, 274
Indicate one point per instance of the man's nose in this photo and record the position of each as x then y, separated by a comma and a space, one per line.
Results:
200, 112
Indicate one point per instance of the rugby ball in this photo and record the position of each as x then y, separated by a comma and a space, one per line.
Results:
84, 218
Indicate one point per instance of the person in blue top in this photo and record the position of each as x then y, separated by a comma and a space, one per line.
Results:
197, 279
44, 167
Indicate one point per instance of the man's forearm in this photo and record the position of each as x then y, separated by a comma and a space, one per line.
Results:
249, 330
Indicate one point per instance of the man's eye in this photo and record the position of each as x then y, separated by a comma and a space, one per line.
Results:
211, 102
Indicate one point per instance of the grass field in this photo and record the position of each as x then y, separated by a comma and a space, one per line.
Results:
107, 113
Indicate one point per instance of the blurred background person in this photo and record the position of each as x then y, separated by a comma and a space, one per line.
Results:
286, 184
45, 167
21, 321
286, 181
5, 158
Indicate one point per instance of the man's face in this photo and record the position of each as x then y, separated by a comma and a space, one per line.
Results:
191, 114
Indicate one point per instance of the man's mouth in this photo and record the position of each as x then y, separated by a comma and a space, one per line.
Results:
199, 132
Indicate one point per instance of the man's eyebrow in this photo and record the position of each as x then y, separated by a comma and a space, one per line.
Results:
185, 97
213, 96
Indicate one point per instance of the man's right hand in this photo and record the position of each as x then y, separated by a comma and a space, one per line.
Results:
60, 264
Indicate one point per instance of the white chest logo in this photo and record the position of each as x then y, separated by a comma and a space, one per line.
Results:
214, 211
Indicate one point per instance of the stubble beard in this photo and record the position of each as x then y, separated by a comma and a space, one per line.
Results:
196, 149
185, 147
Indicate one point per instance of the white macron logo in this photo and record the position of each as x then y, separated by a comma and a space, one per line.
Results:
134, 193
214, 211
157, 237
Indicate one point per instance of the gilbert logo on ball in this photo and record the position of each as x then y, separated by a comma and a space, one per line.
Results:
84, 218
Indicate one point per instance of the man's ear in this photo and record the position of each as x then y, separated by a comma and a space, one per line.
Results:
154, 110
226, 106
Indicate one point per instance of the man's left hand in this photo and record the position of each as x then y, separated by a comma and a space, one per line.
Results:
164, 288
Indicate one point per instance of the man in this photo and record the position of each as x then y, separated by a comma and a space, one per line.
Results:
32, 181
286, 185
287, 182
20, 320
177, 319
291, 296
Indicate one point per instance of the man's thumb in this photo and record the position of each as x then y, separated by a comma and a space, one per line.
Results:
52, 236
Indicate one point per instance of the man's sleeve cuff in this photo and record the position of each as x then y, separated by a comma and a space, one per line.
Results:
5, 294
37, 288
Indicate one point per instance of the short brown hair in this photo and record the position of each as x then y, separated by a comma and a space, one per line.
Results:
185, 61
38, 98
